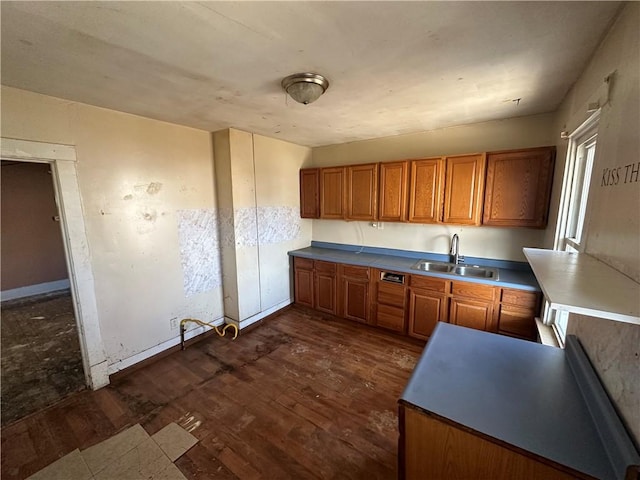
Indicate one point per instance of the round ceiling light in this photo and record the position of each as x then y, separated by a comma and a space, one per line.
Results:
305, 88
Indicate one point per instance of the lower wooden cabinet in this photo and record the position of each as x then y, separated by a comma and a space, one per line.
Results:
354, 282
303, 281
326, 287
467, 312
390, 300
472, 305
416, 305
428, 305
516, 313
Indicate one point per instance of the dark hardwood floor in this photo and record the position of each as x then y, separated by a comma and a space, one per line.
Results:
300, 396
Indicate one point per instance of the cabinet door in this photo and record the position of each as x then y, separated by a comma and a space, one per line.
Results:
356, 299
426, 309
426, 190
393, 191
354, 293
471, 313
325, 287
464, 189
518, 187
310, 193
362, 191
517, 322
332, 192
303, 281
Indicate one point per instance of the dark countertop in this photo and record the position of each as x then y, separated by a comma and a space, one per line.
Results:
510, 274
521, 393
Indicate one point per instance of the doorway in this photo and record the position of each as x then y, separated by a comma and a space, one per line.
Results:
41, 359
62, 162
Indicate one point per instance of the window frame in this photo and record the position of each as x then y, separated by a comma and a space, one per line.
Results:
570, 227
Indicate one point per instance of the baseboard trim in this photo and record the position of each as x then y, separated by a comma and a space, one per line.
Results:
161, 348
129, 365
38, 289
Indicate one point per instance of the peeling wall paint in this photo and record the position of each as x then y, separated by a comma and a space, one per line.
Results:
199, 250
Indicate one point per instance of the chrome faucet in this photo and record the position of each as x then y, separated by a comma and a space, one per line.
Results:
454, 251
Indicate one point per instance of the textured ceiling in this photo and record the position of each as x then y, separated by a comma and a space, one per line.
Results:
394, 67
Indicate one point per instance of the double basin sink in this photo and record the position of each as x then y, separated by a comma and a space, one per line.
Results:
474, 271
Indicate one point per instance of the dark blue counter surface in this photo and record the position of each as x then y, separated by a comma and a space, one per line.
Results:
521, 393
510, 274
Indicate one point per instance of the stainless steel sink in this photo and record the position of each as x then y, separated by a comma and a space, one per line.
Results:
433, 266
475, 271
459, 270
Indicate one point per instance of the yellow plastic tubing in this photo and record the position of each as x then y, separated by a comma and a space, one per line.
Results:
220, 332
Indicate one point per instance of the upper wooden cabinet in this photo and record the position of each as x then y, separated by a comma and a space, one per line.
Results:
332, 192
392, 193
310, 193
518, 187
362, 192
464, 188
426, 189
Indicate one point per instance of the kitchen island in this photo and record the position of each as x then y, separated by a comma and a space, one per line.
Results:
480, 405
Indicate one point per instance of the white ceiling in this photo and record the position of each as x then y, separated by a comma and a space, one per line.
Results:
394, 67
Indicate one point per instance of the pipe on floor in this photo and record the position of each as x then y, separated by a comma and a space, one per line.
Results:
222, 332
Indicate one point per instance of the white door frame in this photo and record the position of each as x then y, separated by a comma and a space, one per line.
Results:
62, 159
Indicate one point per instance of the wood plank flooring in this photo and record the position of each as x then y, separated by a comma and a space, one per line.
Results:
300, 396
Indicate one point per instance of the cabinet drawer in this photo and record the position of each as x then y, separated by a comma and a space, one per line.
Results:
520, 298
391, 294
390, 317
472, 290
303, 263
325, 267
428, 283
352, 271
517, 322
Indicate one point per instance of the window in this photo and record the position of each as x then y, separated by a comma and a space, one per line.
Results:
573, 204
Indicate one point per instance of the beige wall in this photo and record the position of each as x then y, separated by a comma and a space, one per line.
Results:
613, 222
135, 175
32, 250
501, 243
280, 228
258, 195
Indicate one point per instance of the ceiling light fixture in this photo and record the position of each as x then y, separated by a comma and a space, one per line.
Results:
305, 87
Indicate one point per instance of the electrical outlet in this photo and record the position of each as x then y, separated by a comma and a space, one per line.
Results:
380, 226
173, 323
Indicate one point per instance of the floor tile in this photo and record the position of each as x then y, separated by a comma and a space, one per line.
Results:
69, 467
108, 451
142, 462
174, 441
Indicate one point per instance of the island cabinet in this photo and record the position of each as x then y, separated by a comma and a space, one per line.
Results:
516, 312
518, 187
428, 305
362, 192
426, 189
333, 188
483, 406
303, 281
464, 189
310, 193
392, 191
390, 300
472, 305
354, 290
